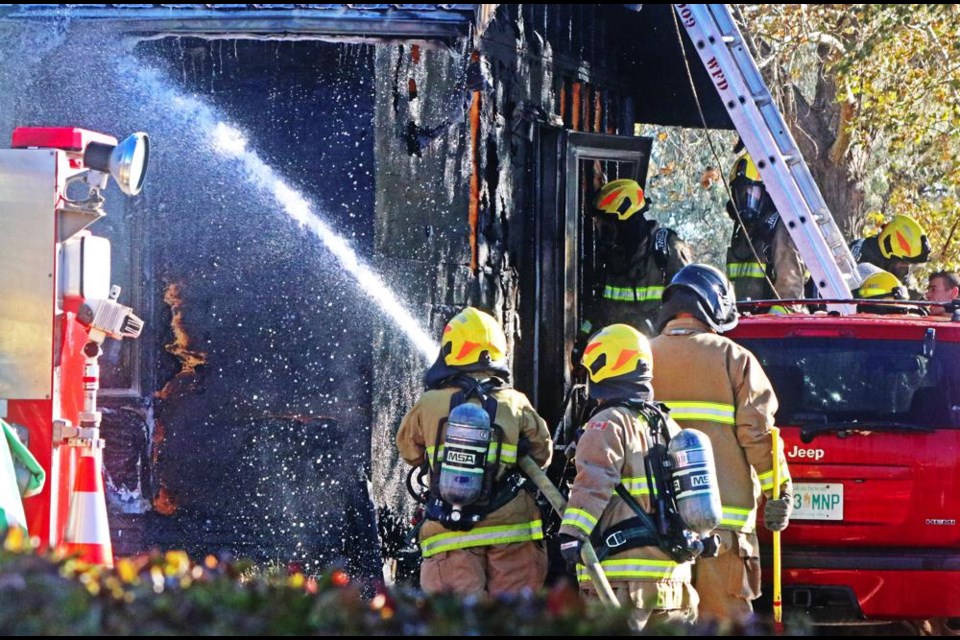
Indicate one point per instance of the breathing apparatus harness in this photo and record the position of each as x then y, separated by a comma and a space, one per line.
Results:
459, 487
665, 528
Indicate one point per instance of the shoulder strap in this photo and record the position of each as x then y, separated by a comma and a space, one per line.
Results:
482, 390
661, 246
856, 248
655, 414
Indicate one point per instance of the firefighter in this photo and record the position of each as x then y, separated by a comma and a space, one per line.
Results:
611, 451
878, 284
881, 285
761, 250
901, 243
496, 544
638, 259
713, 384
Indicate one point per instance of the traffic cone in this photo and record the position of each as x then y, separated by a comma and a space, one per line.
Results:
88, 532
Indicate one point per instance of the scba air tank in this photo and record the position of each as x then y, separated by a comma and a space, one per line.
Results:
695, 480
465, 446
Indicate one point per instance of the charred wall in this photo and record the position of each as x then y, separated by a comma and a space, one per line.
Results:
240, 420
455, 201
262, 408
266, 389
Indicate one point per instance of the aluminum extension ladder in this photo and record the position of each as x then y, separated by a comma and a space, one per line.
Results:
768, 140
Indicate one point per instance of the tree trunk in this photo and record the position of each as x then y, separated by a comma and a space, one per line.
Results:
837, 168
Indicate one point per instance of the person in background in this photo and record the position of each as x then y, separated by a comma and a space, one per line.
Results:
761, 250
942, 286
638, 259
881, 285
901, 243
495, 544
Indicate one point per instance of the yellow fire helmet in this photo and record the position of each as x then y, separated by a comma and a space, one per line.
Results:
903, 238
472, 337
745, 169
882, 284
621, 198
616, 351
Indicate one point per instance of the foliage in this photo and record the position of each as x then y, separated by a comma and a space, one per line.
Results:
872, 93
165, 593
687, 189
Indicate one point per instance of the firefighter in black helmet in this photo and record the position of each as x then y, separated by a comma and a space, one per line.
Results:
716, 386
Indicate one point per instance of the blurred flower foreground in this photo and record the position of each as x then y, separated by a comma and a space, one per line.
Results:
167, 593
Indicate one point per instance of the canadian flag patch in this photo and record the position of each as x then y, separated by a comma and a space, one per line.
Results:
598, 425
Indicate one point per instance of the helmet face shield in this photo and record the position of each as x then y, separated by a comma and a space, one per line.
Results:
751, 199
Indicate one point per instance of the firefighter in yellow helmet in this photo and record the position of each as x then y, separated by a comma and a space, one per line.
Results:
901, 243
637, 259
716, 386
878, 284
610, 459
488, 539
881, 285
757, 224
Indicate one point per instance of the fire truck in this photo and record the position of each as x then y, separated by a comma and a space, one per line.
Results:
59, 308
870, 419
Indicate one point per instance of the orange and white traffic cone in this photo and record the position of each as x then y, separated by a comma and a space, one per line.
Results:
88, 532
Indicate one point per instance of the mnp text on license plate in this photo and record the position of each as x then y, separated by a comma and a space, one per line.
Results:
817, 501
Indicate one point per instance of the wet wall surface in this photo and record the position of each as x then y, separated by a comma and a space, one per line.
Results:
265, 440
240, 420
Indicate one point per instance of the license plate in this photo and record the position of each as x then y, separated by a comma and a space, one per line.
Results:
817, 501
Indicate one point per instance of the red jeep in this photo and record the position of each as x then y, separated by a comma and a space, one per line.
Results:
870, 419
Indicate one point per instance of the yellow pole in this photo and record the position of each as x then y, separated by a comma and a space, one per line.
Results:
587, 553
777, 588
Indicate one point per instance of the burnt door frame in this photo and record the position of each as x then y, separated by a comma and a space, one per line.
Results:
560, 246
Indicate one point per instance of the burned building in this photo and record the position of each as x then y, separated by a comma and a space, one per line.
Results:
329, 184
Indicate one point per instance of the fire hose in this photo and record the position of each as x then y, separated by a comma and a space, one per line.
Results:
587, 553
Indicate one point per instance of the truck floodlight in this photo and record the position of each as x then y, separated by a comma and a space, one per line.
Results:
126, 162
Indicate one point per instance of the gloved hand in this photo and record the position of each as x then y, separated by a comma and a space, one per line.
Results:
570, 550
776, 513
523, 447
